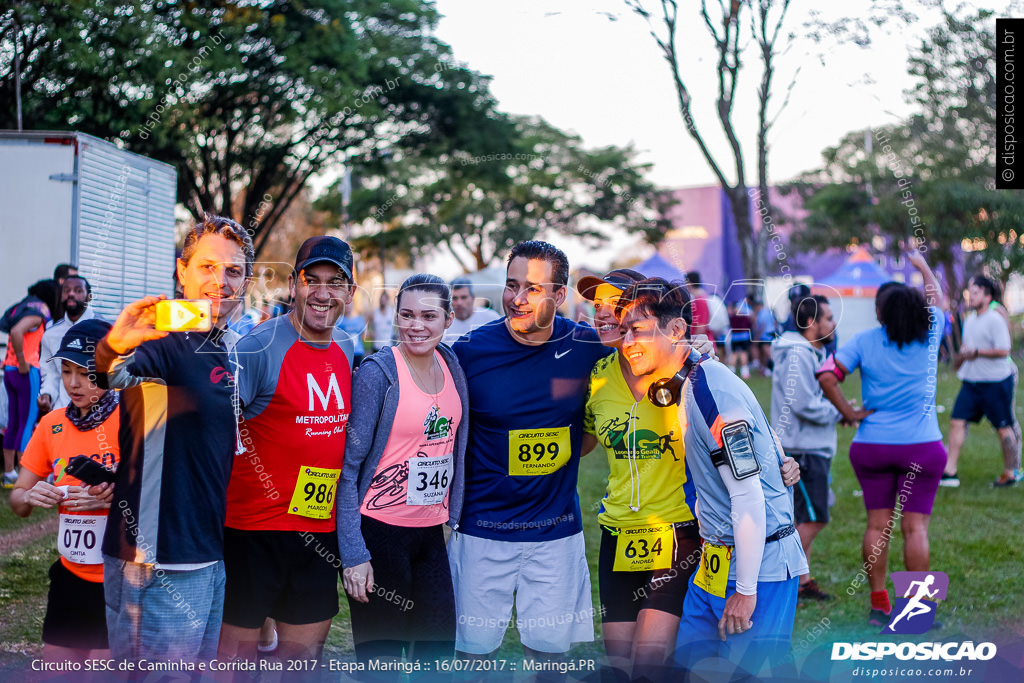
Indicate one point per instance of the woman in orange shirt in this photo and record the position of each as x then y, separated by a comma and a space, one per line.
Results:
74, 628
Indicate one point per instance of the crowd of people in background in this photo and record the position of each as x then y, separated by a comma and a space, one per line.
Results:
34, 327
313, 446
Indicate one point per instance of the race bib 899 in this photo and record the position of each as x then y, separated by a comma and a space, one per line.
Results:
536, 452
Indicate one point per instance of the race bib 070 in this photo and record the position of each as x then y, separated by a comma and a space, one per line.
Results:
536, 452
79, 538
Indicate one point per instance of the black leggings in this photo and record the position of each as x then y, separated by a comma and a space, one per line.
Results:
412, 607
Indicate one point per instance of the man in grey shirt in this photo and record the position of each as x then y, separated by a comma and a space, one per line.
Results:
987, 390
467, 316
806, 421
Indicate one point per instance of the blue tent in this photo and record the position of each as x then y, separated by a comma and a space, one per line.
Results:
657, 266
860, 275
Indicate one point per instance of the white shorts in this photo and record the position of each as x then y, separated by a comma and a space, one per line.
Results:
547, 581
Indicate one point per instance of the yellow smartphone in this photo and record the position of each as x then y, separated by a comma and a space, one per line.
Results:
184, 315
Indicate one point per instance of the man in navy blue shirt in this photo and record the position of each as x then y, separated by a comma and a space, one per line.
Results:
519, 541
164, 544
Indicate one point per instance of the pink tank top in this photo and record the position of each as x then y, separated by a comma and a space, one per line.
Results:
410, 486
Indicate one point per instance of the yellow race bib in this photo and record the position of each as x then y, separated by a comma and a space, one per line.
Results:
713, 572
314, 493
536, 452
643, 548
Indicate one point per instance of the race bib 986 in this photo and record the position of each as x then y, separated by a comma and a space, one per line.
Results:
314, 493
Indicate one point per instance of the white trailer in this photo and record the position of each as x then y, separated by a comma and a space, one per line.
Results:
68, 197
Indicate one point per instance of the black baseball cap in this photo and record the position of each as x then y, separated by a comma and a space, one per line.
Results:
324, 249
620, 278
79, 343
798, 292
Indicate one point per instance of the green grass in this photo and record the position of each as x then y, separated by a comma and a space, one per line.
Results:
10, 521
23, 585
975, 539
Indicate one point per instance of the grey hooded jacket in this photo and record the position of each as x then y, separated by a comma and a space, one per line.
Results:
374, 404
801, 415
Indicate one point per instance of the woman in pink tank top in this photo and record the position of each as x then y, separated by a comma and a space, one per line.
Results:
402, 481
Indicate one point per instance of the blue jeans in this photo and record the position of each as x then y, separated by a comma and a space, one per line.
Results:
161, 614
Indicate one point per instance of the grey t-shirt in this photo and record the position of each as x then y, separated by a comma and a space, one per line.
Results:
714, 397
985, 331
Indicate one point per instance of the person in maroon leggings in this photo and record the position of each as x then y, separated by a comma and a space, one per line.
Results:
897, 453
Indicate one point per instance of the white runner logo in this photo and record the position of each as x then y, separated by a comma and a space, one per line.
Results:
915, 607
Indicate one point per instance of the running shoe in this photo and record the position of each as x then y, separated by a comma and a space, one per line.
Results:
951, 480
9, 479
1004, 482
267, 648
877, 617
811, 591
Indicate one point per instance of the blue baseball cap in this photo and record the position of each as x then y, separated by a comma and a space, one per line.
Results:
79, 343
325, 249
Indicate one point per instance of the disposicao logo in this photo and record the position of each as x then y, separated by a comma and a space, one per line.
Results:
947, 652
914, 614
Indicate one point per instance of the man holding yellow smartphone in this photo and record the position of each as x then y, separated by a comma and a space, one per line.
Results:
164, 544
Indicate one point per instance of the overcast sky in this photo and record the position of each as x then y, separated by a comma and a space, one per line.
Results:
590, 66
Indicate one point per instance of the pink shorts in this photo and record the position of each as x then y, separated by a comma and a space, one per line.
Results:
907, 472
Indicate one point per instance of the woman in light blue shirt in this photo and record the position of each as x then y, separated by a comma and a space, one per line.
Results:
897, 453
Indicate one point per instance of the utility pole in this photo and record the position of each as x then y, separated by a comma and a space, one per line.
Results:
17, 65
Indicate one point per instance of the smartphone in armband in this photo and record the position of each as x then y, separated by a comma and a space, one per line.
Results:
739, 450
89, 471
184, 315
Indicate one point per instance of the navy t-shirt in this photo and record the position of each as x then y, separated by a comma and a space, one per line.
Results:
178, 439
525, 430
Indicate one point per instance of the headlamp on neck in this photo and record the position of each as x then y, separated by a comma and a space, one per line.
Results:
667, 392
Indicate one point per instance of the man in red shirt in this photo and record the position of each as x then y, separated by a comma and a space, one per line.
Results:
295, 381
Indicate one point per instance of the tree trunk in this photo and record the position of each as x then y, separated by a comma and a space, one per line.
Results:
768, 219
749, 252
